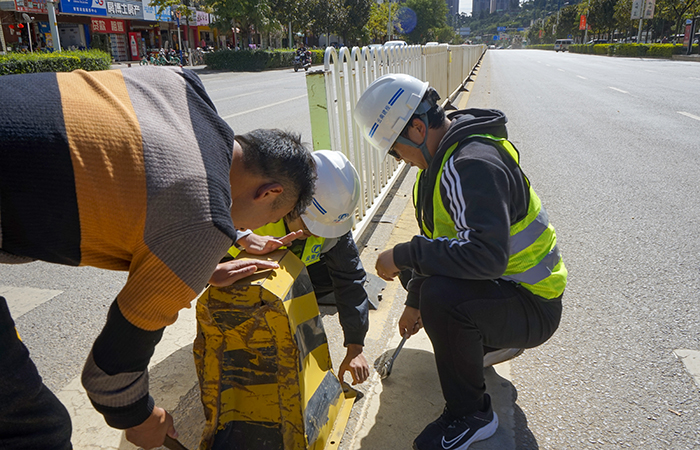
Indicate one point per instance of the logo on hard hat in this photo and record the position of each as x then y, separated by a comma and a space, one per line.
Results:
385, 111
319, 207
342, 218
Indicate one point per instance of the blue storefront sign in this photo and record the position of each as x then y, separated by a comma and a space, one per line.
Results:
150, 13
89, 7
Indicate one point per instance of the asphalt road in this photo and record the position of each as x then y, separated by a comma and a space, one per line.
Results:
611, 146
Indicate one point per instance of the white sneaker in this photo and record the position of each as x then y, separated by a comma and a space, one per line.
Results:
501, 355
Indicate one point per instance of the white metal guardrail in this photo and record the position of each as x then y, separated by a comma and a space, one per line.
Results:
334, 91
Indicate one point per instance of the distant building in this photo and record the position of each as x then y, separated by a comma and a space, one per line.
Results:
480, 5
452, 7
498, 5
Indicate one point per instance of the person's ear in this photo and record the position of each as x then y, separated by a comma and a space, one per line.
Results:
418, 126
268, 192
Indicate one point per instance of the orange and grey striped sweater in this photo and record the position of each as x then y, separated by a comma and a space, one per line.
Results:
122, 170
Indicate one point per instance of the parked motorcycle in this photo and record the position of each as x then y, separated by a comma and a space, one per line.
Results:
302, 59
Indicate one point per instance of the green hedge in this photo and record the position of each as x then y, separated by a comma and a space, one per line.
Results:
67, 61
635, 50
255, 60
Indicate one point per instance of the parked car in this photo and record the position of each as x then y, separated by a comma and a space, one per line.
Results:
597, 41
395, 44
562, 44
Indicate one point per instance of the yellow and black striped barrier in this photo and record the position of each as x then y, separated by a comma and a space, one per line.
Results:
263, 364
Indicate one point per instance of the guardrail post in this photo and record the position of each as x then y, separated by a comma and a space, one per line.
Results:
318, 110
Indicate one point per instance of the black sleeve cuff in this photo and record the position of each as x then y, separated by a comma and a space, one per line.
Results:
402, 256
128, 416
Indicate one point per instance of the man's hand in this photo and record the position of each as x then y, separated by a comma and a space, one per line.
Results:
410, 322
151, 433
229, 272
385, 267
355, 363
262, 245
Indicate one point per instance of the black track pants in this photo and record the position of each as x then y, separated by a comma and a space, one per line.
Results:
463, 316
31, 417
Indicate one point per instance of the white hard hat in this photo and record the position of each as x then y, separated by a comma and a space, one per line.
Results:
386, 106
332, 211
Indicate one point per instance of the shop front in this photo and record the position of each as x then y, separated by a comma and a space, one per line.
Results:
206, 36
154, 27
111, 34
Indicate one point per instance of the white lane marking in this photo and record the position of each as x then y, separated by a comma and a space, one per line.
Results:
168, 382
692, 116
23, 299
263, 107
239, 95
691, 360
619, 90
583, 78
693, 78
561, 70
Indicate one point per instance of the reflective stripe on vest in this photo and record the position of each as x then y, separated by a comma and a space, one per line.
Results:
534, 260
312, 247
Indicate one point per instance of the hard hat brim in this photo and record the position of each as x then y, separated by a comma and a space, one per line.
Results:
327, 231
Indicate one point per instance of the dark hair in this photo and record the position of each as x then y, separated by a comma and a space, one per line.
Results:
436, 115
282, 157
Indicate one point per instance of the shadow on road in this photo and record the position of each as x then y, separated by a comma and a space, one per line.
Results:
411, 398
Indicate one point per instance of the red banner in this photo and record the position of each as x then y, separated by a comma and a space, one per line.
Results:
31, 6
582, 22
111, 26
686, 36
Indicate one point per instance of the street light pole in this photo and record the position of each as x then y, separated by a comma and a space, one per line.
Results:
388, 24
54, 26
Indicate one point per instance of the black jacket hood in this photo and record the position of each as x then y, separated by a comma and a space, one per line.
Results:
472, 121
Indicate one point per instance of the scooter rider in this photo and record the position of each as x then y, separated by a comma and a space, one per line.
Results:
486, 270
323, 241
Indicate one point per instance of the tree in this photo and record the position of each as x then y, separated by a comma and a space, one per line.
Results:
677, 11
357, 13
376, 26
325, 15
568, 22
601, 16
431, 15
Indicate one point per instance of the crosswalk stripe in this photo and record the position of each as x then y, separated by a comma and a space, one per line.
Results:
23, 299
691, 360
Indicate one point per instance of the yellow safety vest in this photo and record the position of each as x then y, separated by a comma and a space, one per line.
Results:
311, 252
534, 261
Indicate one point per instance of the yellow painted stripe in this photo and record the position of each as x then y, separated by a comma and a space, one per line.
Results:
313, 370
301, 309
255, 403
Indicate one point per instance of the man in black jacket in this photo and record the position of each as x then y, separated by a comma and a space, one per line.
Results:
486, 275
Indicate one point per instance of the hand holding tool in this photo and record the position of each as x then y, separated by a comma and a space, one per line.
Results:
384, 370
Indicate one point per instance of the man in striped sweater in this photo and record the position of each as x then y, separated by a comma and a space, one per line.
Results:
126, 170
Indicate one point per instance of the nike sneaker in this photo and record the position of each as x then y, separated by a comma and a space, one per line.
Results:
450, 432
501, 355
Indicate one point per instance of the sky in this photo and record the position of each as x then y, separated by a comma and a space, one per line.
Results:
465, 6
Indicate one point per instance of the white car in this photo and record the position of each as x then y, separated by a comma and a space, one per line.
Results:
395, 44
